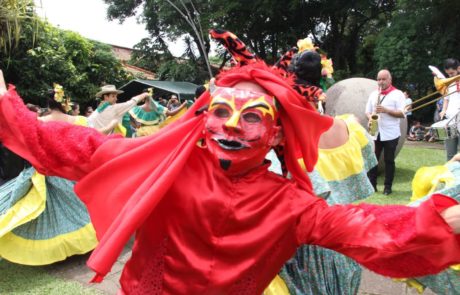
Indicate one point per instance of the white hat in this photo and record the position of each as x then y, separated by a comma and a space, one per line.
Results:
108, 89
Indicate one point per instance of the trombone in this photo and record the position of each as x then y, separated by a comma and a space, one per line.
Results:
442, 86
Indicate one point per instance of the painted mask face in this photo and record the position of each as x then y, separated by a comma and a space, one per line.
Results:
240, 128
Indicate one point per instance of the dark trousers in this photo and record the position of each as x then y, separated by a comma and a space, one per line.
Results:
389, 152
409, 123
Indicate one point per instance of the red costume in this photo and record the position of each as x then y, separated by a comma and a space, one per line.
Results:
202, 230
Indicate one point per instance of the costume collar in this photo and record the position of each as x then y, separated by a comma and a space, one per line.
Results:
102, 106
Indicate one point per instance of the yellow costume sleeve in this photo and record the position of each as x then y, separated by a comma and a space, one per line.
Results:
428, 179
277, 287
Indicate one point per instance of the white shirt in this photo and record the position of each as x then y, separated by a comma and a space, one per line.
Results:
454, 100
115, 111
407, 102
388, 125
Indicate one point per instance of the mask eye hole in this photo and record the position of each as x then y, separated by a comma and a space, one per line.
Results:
251, 117
222, 113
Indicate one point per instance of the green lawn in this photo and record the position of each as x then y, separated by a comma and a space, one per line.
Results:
18, 279
21, 279
408, 161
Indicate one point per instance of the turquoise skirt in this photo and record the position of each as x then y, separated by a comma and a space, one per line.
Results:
42, 220
448, 281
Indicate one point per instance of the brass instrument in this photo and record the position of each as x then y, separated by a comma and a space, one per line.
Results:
374, 124
373, 127
442, 86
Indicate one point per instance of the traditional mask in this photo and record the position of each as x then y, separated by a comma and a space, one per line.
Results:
240, 128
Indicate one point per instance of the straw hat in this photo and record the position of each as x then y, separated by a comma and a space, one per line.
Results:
108, 89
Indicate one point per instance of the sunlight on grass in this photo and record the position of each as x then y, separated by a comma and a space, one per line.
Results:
408, 161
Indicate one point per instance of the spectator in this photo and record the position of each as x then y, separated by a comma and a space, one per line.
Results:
88, 111
163, 101
416, 132
199, 91
173, 103
75, 109
438, 110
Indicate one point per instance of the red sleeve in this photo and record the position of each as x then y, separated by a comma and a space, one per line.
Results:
53, 148
395, 241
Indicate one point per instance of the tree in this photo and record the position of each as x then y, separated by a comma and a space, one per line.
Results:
418, 36
57, 56
12, 15
271, 27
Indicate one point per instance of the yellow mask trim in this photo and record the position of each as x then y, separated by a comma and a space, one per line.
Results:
260, 104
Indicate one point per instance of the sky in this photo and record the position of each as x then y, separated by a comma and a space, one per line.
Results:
89, 18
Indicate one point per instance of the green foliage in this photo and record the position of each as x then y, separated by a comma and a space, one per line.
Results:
150, 54
57, 56
181, 70
268, 27
421, 33
12, 14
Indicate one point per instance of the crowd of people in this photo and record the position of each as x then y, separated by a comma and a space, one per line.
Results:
248, 192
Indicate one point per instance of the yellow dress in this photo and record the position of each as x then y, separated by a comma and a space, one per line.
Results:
340, 176
42, 220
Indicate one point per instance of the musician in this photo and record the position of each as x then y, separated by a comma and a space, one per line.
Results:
451, 104
388, 103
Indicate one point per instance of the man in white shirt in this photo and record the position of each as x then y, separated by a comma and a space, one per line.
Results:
388, 103
108, 110
451, 104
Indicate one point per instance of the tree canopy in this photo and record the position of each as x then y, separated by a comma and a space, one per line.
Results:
360, 36
44, 55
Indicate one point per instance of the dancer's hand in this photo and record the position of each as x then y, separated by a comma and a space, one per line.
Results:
141, 97
2, 84
452, 217
455, 158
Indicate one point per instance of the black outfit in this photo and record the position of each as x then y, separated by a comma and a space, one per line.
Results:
389, 152
10, 164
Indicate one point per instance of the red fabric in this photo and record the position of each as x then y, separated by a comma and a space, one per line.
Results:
200, 230
231, 235
133, 191
302, 125
228, 235
395, 241
388, 90
53, 148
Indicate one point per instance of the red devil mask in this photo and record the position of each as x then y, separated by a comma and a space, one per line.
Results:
241, 128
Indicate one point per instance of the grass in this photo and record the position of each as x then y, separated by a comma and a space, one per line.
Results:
19, 279
22, 279
408, 161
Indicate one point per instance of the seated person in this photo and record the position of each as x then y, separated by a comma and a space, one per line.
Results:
430, 136
416, 132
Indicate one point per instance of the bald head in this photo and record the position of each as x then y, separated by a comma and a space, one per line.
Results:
384, 79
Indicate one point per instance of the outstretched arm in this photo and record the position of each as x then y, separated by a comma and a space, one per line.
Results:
176, 110
395, 241
53, 148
